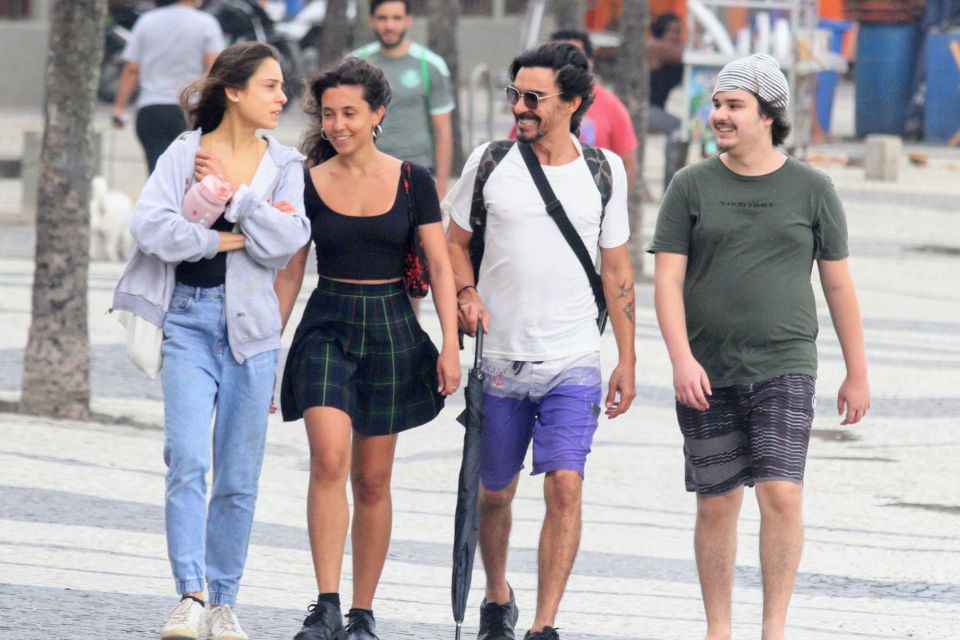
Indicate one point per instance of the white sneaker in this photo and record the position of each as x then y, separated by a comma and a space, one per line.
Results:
187, 621
224, 624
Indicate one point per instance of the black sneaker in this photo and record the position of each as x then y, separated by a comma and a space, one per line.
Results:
323, 623
361, 625
498, 620
548, 633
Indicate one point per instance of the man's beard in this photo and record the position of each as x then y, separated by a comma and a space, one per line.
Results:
392, 45
533, 137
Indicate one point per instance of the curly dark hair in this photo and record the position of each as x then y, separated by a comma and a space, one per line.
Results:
205, 101
572, 71
781, 126
575, 34
662, 22
351, 72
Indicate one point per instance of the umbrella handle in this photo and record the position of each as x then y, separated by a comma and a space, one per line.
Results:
478, 354
459, 625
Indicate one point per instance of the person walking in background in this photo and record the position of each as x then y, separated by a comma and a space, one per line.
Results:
665, 57
539, 306
735, 241
211, 290
170, 47
420, 127
360, 369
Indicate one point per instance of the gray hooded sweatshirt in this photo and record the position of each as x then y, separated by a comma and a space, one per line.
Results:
164, 238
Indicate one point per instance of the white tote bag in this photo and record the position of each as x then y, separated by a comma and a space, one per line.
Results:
144, 342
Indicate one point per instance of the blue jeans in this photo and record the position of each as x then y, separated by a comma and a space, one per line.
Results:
201, 378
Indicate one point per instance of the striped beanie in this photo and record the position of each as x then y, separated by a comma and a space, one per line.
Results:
759, 74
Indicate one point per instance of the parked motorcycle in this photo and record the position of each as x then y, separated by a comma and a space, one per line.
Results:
240, 21
246, 21
305, 28
117, 34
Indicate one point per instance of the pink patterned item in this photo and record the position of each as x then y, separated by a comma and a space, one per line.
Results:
206, 200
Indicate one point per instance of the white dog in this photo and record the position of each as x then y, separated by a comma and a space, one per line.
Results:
109, 222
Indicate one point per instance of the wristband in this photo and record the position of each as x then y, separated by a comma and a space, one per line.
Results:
462, 289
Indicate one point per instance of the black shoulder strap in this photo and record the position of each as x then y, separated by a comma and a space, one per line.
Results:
407, 177
491, 157
555, 210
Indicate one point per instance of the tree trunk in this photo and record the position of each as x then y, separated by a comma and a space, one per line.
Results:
568, 14
361, 27
442, 40
56, 369
633, 86
334, 39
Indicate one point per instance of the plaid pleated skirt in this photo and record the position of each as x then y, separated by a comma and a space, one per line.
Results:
360, 349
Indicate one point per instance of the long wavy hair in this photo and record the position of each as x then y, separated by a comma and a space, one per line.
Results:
205, 101
350, 72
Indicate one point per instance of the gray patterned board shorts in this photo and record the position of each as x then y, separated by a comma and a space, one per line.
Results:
750, 433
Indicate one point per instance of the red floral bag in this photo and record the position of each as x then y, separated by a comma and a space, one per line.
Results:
416, 269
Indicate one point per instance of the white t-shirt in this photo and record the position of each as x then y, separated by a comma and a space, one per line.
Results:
540, 301
169, 44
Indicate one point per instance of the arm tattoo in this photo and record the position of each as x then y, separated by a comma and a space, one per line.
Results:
627, 292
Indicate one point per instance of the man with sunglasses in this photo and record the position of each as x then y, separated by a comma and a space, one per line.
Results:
542, 360
607, 123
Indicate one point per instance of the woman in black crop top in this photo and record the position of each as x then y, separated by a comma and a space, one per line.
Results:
360, 368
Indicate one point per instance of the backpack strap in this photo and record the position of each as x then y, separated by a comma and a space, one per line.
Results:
491, 157
601, 172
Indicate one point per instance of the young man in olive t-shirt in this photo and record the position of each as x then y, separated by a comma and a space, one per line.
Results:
735, 243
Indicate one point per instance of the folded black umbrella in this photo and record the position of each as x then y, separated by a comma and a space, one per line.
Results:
467, 520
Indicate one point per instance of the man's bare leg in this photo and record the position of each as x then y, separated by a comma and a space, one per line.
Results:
559, 541
781, 544
715, 546
496, 520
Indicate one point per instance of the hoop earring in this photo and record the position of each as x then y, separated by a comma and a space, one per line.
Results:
377, 131
323, 134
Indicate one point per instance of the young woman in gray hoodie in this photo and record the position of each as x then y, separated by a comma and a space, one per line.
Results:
211, 291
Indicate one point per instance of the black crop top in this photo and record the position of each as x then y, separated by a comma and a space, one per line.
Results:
369, 247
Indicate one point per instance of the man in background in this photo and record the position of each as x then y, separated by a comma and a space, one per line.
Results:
418, 126
171, 46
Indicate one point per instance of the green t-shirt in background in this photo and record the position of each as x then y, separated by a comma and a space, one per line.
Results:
751, 242
407, 128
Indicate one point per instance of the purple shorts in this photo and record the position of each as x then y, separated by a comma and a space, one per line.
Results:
555, 403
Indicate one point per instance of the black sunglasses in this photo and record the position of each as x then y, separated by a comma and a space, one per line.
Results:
531, 99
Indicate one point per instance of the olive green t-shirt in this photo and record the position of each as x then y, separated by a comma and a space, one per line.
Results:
751, 242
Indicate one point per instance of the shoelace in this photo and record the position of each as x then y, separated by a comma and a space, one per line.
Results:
549, 633
315, 615
228, 621
181, 613
356, 621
